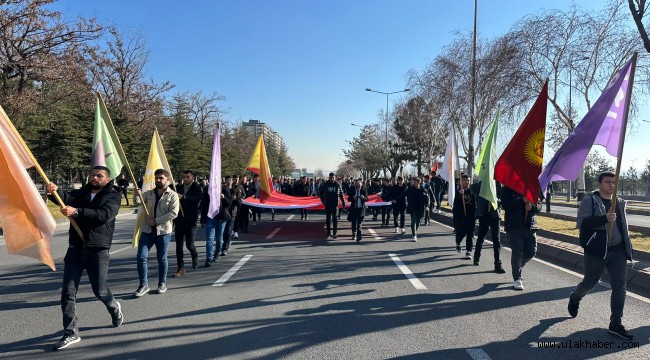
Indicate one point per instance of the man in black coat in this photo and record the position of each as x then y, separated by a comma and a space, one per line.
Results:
330, 193
463, 216
489, 218
94, 208
357, 197
189, 194
521, 227
398, 198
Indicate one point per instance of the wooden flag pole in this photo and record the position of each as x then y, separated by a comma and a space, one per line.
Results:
621, 141
38, 167
111, 129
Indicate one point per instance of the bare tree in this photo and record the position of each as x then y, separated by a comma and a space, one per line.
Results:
33, 40
638, 9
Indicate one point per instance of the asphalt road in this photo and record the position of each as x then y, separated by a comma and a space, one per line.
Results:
639, 220
298, 296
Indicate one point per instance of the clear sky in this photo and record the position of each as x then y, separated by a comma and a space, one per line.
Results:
302, 66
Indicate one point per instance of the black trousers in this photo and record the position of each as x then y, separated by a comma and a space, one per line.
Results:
485, 224
385, 214
185, 232
399, 211
235, 223
330, 216
465, 229
225, 245
95, 262
257, 211
243, 217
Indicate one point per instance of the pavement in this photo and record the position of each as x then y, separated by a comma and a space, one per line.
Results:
633, 219
285, 292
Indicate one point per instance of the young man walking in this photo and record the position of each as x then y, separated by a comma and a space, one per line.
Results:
606, 242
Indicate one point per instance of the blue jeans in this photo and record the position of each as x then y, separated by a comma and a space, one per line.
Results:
214, 230
147, 240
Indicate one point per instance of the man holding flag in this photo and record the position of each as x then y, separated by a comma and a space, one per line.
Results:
94, 208
518, 169
487, 204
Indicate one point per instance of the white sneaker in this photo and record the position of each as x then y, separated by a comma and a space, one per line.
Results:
235, 235
518, 285
415, 238
396, 230
468, 255
328, 237
403, 231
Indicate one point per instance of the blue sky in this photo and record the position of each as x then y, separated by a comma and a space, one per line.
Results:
302, 66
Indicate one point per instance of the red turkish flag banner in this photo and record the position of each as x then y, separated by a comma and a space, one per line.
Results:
520, 164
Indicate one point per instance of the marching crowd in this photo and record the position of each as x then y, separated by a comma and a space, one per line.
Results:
603, 233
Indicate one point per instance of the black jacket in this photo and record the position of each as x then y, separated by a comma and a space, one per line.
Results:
225, 212
467, 210
190, 203
484, 209
418, 200
330, 193
592, 222
514, 209
96, 218
398, 194
356, 211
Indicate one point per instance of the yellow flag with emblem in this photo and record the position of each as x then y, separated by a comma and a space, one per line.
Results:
157, 160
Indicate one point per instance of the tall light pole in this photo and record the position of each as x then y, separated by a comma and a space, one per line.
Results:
580, 181
386, 115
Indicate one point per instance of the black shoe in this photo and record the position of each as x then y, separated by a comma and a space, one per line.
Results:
476, 263
66, 341
223, 253
620, 331
118, 318
207, 264
498, 268
195, 263
573, 308
334, 237
215, 258
142, 289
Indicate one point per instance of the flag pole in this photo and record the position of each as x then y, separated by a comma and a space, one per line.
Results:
621, 141
38, 167
111, 129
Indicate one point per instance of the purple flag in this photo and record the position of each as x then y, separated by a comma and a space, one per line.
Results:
214, 186
602, 125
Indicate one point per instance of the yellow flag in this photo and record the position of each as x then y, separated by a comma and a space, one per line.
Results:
27, 224
157, 160
254, 163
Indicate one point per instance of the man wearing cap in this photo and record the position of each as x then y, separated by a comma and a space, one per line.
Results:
330, 193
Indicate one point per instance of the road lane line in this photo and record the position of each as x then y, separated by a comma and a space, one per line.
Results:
120, 250
374, 233
272, 234
222, 280
409, 275
478, 354
290, 217
567, 271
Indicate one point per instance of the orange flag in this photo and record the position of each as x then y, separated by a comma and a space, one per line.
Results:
27, 224
259, 164
521, 162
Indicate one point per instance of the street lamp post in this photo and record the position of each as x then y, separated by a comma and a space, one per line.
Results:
580, 181
387, 94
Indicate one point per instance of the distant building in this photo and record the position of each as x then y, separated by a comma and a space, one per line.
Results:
256, 127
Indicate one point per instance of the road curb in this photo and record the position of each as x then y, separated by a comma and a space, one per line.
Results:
565, 251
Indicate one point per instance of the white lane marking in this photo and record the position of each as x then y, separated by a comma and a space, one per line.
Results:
578, 275
374, 233
120, 250
478, 354
222, 280
272, 234
290, 217
409, 275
